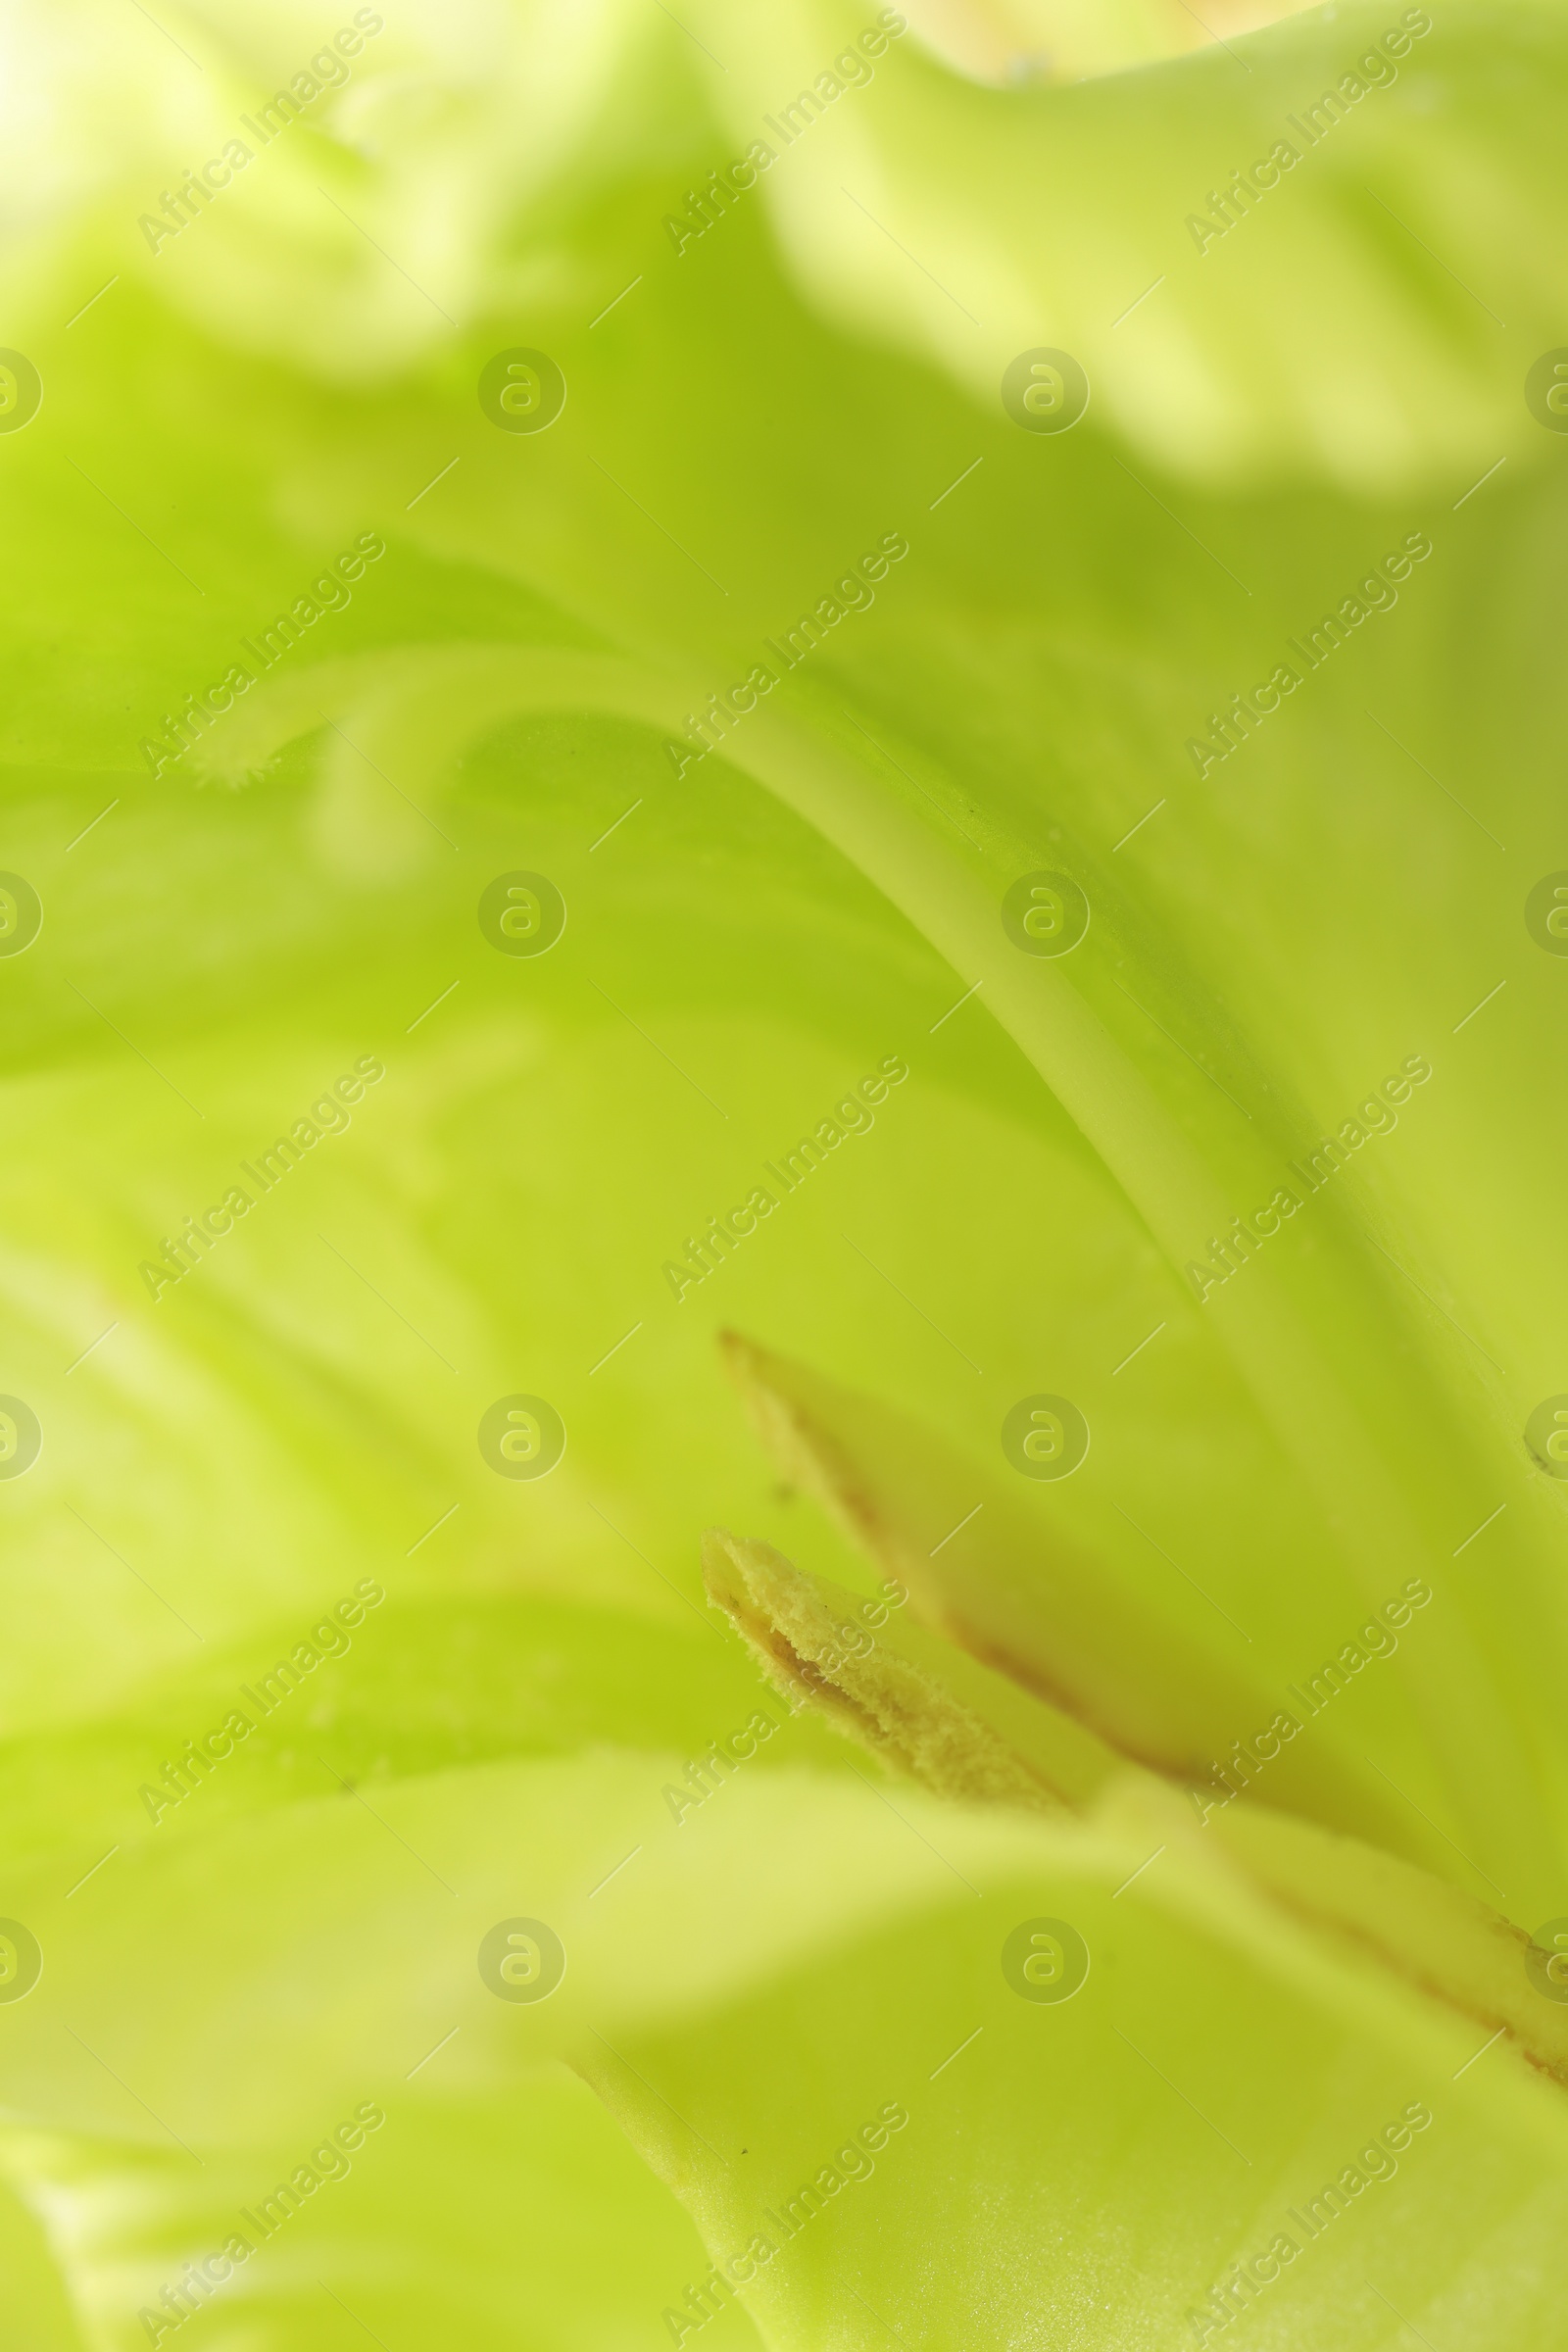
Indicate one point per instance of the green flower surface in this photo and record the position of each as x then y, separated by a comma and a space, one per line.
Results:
783, 914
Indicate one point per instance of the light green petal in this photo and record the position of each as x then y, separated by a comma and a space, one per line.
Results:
959, 1726
1097, 2165
482, 2219
273, 1962
966, 226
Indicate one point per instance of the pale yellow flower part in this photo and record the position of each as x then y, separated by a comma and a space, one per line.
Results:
1010, 41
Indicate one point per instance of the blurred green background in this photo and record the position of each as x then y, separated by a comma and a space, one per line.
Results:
748, 411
